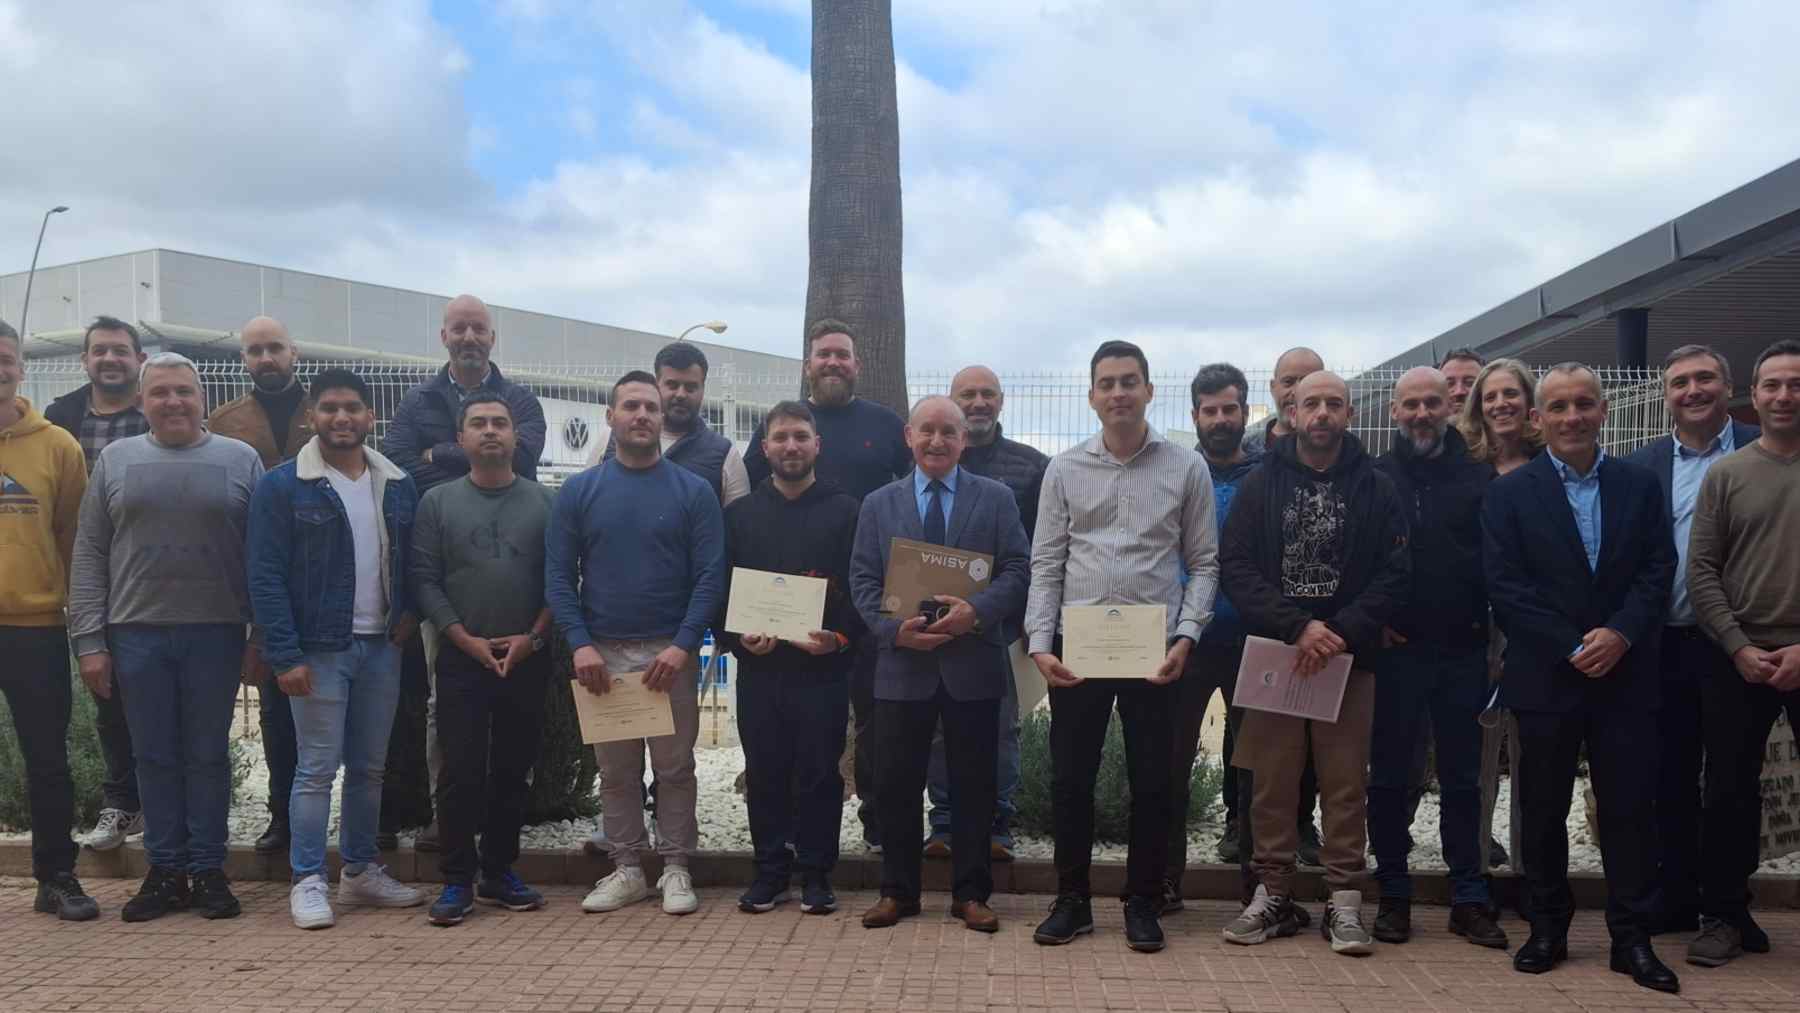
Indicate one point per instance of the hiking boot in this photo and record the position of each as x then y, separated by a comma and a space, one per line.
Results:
1143, 932
1473, 922
213, 897
453, 904
816, 897
1070, 916
112, 828
309, 903
507, 890
375, 887
626, 885
1393, 920
1718, 944
163, 890
1171, 896
274, 840
763, 895
1266, 917
1307, 854
1343, 926
1228, 842
61, 895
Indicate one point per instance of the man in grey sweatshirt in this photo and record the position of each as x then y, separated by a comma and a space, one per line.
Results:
158, 601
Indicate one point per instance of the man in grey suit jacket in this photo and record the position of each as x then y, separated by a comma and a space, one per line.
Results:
1697, 391
953, 669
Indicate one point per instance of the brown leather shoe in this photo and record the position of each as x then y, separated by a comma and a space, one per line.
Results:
976, 915
887, 913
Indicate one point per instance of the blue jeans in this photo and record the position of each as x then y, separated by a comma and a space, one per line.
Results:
1006, 772
344, 721
1416, 683
181, 683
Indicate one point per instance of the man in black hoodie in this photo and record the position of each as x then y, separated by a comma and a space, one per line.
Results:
1433, 668
1315, 554
794, 696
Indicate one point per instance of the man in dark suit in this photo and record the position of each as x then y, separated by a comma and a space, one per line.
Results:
1697, 391
1579, 561
953, 669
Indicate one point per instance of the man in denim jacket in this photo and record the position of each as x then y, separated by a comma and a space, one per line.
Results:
330, 543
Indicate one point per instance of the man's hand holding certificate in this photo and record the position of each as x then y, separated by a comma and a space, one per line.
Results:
1288, 680
1116, 641
785, 606
625, 709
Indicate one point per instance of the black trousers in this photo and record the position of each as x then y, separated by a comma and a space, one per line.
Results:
903, 732
1078, 718
791, 725
35, 680
490, 728
1211, 665
119, 790
1619, 745
1736, 717
281, 749
862, 704
1688, 658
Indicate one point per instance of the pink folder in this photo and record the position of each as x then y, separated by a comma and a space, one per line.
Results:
1266, 682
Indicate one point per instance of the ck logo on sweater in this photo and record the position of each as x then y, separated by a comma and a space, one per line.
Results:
15, 498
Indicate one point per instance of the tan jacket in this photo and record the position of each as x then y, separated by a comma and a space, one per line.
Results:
244, 419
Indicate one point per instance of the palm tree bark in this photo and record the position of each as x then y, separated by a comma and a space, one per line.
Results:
854, 228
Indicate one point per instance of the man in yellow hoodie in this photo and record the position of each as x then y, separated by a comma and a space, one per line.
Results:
42, 478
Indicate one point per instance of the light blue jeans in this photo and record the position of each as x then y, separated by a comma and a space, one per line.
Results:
344, 721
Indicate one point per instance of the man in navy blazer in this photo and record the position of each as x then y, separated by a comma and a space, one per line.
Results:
953, 669
1579, 562
1697, 391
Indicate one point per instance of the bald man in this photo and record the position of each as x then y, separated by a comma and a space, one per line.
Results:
1295, 364
1432, 669
1315, 554
422, 439
275, 419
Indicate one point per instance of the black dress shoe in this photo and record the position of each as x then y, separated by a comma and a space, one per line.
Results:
1541, 953
1640, 961
273, 840
1471, 921
1070, 916
1393, 920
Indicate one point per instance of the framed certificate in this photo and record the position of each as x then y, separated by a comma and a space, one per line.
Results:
1114, 641
782, 605
1267, 682
627, 711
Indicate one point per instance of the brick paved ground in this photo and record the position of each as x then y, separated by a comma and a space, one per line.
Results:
719, 959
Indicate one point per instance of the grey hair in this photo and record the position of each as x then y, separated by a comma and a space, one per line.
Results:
168, 360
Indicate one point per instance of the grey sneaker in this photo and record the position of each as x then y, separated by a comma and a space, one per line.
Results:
1343, 925
1267, 917
1718, 943
112, 828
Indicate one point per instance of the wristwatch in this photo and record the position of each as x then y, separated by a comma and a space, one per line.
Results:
537, 641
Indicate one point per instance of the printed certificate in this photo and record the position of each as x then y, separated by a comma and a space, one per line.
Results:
628, 711
781, 605
1267, 682
1114, 641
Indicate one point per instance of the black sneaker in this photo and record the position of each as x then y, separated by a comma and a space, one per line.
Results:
763, 895
1308, 852
1143, 932
452, 905
1471, 921
273, 840
164, 890
1171, 896
1228, 842
1497, 855
816, 897
213, 897
1393, 920
61, 895
508, 891
1070, 916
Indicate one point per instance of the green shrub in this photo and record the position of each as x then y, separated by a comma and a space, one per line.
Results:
1112, 788
562, 782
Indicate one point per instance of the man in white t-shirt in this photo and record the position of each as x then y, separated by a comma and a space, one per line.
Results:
330, 543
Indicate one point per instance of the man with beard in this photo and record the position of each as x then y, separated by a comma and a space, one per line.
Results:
330, 551
1460, 368
634, 572
793, 696
1315, 555
422, 440
1294, 365
1433, 665
687, 440
103, 410
1579, 560
1697, 392
275, 420
989, 454
862, 447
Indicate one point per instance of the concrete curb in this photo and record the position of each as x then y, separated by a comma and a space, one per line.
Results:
854, 872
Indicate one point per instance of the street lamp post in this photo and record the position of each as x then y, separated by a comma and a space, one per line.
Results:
25, 309
715, 326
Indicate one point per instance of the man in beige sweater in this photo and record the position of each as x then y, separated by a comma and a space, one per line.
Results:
1742, 577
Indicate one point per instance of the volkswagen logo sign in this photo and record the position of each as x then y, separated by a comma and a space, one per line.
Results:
575, 433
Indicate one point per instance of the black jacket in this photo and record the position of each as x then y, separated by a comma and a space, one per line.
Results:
426, 420
810, 535
1015, 465
1373, 562
68, 411
1442, 498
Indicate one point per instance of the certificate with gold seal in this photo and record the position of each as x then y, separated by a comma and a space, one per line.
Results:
1114, 641
783, 605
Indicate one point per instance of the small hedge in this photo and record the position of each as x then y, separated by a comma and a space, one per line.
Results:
1112, 789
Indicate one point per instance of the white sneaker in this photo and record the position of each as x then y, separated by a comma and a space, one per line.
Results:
625, 886
375, 888
677, 888
111, 829
310, 903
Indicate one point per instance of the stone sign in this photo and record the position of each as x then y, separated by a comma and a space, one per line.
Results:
1781, 793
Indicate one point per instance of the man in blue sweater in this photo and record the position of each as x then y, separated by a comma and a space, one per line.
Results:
634, 570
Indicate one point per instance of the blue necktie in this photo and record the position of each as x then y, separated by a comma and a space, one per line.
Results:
934, 513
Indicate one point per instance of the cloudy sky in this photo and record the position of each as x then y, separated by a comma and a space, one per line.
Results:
1211, 179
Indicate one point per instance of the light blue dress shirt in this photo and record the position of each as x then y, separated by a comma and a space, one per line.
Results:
1584, 499
921, 485
1689, 468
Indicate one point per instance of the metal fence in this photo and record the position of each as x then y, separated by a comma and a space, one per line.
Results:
1047, 410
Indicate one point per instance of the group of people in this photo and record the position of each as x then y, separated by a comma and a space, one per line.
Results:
1497, 578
